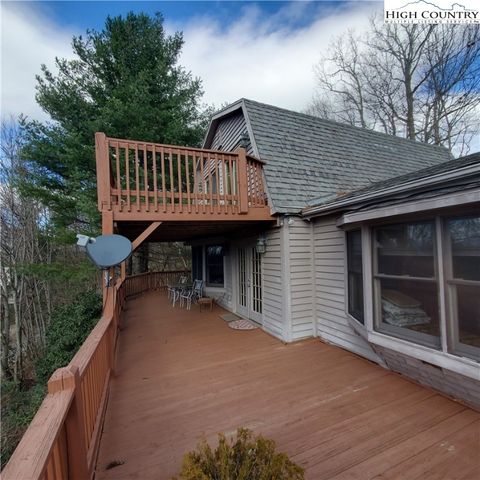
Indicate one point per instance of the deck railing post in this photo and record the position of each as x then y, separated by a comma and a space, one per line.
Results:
242, 180
103, 171
74, 425
68, 378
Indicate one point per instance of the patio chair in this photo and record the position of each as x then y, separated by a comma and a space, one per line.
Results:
186, 298
197, 290
174, 290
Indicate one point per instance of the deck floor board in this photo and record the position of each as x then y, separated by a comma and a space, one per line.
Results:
182, 375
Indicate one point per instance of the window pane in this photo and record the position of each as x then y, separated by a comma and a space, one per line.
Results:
406, 249
214, 264
465, 241
467, 306
355, 275
197, 270
409, 309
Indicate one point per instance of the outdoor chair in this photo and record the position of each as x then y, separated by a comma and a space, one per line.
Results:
197, 290
173, 291
186, 298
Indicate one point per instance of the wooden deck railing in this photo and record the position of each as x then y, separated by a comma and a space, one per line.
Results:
140, 177
63, 438
153, 281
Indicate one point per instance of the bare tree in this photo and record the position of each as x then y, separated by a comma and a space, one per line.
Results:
417, 81
25, 298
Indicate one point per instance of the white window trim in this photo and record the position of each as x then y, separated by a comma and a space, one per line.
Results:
358, 326
439, 357
416, 206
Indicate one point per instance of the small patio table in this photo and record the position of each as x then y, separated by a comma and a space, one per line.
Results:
205, 302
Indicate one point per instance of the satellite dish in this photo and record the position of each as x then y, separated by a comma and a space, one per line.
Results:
109, 250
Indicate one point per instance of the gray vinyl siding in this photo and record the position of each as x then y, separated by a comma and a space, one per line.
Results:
332, 323
273, 285
300, 250
229, 132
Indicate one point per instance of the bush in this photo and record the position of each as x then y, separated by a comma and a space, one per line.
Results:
19, 405
68, 329
246, 458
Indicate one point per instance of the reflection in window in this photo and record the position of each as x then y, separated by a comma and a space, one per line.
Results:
214, 265
197, 263
405, 285
355, 275
463, 281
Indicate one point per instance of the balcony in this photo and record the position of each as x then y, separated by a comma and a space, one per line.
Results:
131, 409
145, 182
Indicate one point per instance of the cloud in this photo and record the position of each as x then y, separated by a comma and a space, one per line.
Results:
29, 39
264, 57
269, 59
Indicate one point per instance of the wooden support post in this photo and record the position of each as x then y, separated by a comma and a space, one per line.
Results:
123, 270
103, 171
107, 229
145, 234
242, 180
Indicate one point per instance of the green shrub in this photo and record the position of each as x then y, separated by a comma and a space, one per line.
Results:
68, 329
245, 458
19, 405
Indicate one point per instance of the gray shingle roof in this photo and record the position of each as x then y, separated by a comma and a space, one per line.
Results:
424, 173
307, 157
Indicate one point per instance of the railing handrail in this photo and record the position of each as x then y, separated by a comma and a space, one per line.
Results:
173, 147
186, 270
63, 438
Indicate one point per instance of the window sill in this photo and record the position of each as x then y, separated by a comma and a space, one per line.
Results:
461, 365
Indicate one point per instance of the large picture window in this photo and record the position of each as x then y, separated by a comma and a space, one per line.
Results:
462, 275
214, 265
355, 275
406, 282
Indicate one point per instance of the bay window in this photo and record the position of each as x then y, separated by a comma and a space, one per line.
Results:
462, 276
418, 295
355, 275
406, 283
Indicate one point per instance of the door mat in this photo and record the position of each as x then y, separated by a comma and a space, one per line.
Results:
242, 324
230, 317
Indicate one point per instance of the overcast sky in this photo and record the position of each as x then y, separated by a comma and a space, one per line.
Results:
260, 50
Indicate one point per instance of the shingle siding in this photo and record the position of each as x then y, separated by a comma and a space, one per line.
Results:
446, 381
229, 133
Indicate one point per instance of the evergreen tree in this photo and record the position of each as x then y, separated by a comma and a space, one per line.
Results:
124, 81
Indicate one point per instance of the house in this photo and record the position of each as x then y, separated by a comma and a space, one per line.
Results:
309, 228
376, 245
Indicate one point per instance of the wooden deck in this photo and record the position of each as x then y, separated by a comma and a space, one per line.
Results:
181, 375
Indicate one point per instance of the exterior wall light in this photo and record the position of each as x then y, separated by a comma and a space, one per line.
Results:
261, 246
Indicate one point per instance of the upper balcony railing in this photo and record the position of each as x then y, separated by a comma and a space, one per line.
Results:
178, 183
